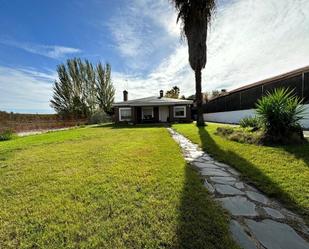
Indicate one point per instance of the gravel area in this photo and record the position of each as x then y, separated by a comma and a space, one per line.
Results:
28, 133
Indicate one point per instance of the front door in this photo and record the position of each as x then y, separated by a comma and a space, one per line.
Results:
163, 113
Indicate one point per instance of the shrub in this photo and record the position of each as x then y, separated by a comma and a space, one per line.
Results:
6, 134
224, 131
99, 117
252, 122
280, 113
240, 135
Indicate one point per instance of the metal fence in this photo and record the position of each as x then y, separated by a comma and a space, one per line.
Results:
247, 98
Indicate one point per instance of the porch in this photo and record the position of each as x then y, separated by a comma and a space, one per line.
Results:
150, 114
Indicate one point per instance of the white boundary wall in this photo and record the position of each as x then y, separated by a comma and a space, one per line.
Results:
234, 117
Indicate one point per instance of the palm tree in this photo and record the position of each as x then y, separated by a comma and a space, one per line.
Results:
195, 16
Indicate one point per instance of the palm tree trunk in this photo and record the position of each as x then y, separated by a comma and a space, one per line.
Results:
199, 98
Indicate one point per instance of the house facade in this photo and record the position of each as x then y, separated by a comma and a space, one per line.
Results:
154, 109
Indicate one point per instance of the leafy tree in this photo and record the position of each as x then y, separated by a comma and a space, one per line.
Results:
82, 88
105, 88
195, 16
215, 93
205, 96
62, 100
90, 90
173, 93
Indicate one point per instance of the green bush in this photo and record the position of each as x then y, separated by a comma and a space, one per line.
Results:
99, 117
241, 135
280, 113
6, 134
250, 122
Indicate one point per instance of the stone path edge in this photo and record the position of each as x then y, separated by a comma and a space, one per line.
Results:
257, 221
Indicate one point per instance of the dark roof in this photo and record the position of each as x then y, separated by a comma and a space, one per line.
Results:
153, 101
268, 80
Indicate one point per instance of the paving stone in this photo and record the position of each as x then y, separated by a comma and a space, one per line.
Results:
239, 185
221, 164
209, 187
205, 165
232, 171
199, 160
257, 197
269, 233
274, 213
196, 154
214, 172
227, 190
239, 206
225, 180
275, 235
240, 236
206, 158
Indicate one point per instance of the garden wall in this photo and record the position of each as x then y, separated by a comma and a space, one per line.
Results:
233, 117
245, 98
33, 122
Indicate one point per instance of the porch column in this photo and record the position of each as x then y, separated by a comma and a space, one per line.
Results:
134, 115
171, 113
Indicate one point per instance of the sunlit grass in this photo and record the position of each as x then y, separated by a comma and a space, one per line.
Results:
281, 172
104, 187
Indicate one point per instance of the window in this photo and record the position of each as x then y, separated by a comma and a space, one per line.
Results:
179, 111
147, 113
125, 114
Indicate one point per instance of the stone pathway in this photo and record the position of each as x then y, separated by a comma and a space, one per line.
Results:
257, 222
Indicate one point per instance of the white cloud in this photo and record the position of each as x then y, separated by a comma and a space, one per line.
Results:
249, 40
143, 29
24, 90
54, 52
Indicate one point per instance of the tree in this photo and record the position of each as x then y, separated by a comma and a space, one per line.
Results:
173, 93
205, 97
215, 93
82, 88
195, 16
62, 100
105, 88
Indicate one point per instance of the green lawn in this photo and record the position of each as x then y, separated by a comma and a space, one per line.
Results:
104, 187
281, 172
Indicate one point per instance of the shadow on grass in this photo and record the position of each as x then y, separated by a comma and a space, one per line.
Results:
250, 171
201, 223
299, 151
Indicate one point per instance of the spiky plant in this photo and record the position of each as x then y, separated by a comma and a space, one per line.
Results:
196, 16
280, 112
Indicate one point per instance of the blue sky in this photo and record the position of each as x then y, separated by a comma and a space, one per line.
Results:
248, 41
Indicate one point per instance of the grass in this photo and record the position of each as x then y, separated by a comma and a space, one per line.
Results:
281, 172
104, 187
